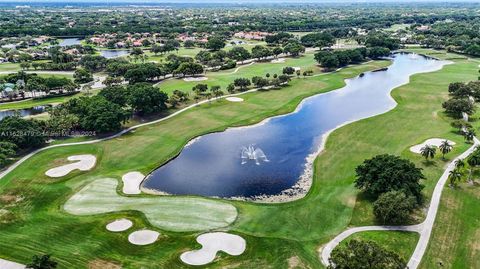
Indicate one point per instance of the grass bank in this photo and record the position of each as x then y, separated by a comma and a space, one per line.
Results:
455, 237
276, 234
34, 202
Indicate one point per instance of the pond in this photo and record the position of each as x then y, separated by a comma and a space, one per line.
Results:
69, 42
114, 53
23, 112
269, 158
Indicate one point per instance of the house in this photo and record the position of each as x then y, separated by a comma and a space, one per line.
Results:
120, 45
7, 90
423, 28
252, 35
74, 52
9, 46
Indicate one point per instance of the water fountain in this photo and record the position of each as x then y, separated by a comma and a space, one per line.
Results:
252, 153
211, 165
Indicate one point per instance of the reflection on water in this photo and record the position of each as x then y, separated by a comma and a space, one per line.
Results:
113, 53
69, 42
23, 112
212, 165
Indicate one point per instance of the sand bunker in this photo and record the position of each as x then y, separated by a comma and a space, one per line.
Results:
143, 237
85, 163
211, 244
296, 68
195, 79
119, 225
234, 99
277, 61
436, 142
178, 214
131, 182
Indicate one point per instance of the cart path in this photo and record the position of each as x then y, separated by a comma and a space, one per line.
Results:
424, 228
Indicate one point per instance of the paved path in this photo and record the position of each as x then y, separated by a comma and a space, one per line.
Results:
26, 157
424, 228
4, 264
238, 68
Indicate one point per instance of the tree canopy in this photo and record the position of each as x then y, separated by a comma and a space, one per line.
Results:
384, 173
358, 254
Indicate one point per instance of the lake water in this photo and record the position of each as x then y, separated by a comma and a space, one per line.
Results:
114, 53
23, 112
69, 42
212, 165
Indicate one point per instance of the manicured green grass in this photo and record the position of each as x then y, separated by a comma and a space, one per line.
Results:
402, 243
39, 212
223, 78
396, 27
300, 34
9, 67
192, 52
169, 213
455, 241
275, 233
331, 204
33, 102
41, 102
37, 102
455, 237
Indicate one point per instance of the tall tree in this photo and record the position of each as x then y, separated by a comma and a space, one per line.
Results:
394, 207
358, 254
473, 161
454, 176
146, 99
215, 43
385, 173
445, 148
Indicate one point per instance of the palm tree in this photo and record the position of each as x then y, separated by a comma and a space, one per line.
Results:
42, 262
459, 164
473, 161
428, 152
469, 135
445, 148
454, 176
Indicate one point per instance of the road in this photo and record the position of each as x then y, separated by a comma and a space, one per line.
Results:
424, 228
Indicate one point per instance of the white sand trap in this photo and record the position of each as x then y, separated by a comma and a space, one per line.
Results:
278, 61
143, 237
131, 182
119, 225
84, 163
296, 68
234, 99
436, 142
211, 244
195, 79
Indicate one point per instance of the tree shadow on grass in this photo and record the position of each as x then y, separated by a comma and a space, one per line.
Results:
429, 163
